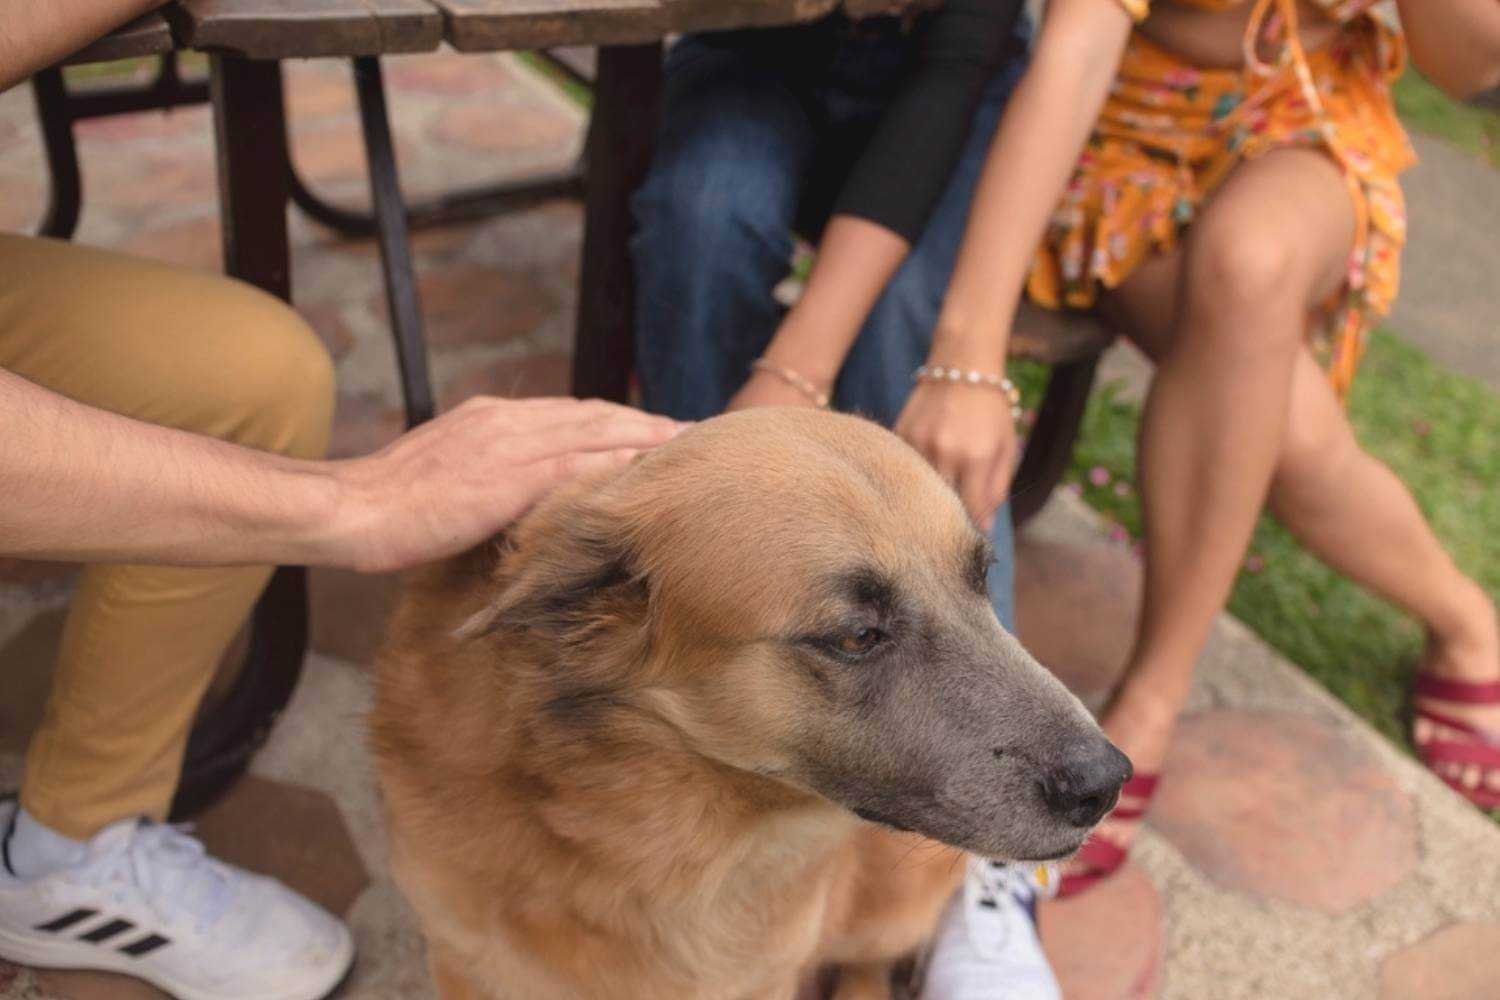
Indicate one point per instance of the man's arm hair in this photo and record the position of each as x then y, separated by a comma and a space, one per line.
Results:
34, 34
81, 483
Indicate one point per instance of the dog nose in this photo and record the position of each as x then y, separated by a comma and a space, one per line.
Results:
1085, 782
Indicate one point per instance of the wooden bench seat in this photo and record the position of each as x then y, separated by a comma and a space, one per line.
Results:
147, 35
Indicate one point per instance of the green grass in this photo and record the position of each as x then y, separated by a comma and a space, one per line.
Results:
571, 88
1440, 432
1425, 108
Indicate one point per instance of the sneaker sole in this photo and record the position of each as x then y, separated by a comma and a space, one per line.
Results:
51, 954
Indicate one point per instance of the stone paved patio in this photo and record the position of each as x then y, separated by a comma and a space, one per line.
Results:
1291, 853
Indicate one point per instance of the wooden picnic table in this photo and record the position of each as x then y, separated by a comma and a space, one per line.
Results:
246, 40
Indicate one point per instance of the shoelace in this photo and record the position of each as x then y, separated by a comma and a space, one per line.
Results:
164, 862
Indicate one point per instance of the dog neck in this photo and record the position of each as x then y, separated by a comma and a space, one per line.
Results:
616, 784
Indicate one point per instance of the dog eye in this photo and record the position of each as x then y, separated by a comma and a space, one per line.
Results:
861, 642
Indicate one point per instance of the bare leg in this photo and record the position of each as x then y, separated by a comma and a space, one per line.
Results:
1348, 509
1273, 241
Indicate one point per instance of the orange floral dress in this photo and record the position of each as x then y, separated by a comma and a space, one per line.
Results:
1170, 133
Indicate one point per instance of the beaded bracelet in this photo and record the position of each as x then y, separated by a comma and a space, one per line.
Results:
796, 380
938, 373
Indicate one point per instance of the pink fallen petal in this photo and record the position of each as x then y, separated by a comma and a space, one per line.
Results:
1099, 476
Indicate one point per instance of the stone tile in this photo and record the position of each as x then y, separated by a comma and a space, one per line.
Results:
327, 320
190, 243
1059, 585
316, 91
26, 663
448, 74
1285, 807
1461, 962
69, 984
294, 833
329, 153
23, 199
363, 424
487, 128
532, 376
144, 126
1105, 944
148, 182
349, 611
476, 304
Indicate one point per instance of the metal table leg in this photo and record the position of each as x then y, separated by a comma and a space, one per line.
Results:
627, 100
65, 196
395, 247
250, 130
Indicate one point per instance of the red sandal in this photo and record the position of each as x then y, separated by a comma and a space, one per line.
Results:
1465, 757
1098, 859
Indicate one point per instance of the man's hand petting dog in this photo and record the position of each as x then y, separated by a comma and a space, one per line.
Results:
454, 482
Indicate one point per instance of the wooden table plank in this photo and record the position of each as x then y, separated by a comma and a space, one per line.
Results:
291, 29
719, 15
147, 35
491, 25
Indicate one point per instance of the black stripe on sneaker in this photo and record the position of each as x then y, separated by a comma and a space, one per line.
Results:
65, 921
104, 932
144, 946
10, 831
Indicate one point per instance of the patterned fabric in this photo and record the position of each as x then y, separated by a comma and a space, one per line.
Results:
1171, 132
1341, 11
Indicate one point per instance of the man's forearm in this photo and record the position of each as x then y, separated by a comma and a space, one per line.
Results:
79, 483
35, 34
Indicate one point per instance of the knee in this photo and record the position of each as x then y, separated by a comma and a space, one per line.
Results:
1249, 273
281, 397
711, 198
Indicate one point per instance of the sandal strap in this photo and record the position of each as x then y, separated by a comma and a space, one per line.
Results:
1463, 692
1100, 855
1097, 860
1458, 725
1141, 788
1485, 755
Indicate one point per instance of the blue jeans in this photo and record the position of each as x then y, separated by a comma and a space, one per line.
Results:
740, 145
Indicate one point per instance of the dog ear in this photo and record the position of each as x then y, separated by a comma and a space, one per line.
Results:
567, 578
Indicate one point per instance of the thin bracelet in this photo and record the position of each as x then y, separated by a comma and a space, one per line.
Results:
796, 380
938, 373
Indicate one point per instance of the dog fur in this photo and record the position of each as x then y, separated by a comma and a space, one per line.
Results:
625, 750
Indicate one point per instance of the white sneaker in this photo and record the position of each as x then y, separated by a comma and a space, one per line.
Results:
148, 902
986, 946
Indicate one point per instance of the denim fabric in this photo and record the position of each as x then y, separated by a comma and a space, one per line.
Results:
743, 139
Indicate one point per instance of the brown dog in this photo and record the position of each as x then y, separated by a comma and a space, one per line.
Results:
625, 752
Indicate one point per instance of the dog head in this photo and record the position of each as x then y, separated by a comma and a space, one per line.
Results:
797, 595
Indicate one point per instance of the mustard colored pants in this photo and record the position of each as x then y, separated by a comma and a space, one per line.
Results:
185, 349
